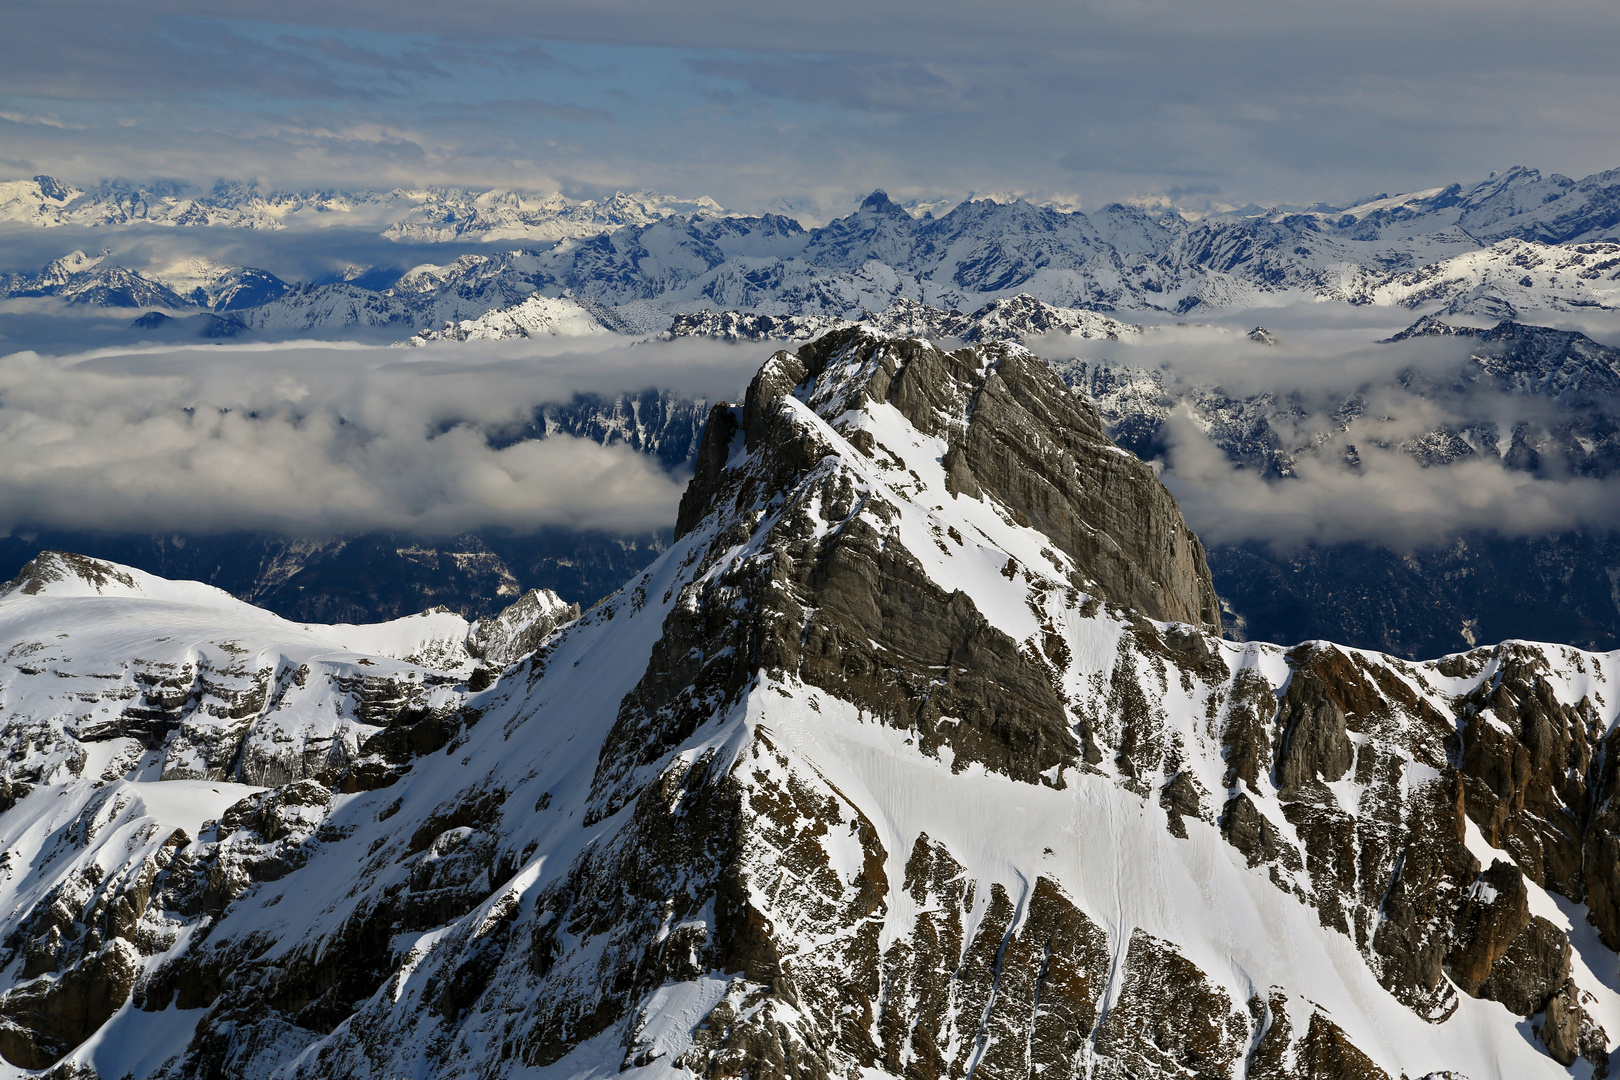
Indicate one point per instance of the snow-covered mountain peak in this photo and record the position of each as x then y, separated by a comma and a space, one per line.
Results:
1012, 318
915, 755
219, 286
537, 316
967, 416
34, 201
422, 214
74, 262
879, 203
53, 189
62, 574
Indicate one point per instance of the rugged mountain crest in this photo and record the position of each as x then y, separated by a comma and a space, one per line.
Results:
1501, 247
1012, 437
1007, 319
868, 774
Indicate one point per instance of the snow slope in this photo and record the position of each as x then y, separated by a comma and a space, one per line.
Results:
872, 773
538, 316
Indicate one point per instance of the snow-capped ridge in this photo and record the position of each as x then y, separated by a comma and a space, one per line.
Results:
418, 215
438, 638
916, 754
1514, 243
63, 574
537, 316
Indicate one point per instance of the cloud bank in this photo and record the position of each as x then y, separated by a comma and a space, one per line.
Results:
1351, 480
324, 440
1387, 499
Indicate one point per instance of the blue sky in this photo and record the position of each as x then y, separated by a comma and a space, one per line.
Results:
790, 106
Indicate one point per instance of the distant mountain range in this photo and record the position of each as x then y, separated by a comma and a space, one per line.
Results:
429, 214
1517, 242
1505, 249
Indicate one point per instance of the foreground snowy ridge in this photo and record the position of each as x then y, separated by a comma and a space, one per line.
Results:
915, 755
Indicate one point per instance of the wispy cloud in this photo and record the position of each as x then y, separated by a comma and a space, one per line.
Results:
49, 121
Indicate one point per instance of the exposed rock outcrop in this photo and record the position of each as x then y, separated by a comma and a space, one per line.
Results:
915, 755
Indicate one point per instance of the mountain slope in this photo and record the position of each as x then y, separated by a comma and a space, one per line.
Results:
915, 755
82, 279
538, 316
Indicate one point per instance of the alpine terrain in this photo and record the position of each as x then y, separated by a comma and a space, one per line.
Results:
1512, 243
917, 754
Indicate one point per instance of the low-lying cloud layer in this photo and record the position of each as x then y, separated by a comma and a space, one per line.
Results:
1388, 498
1351, 478
325, 439
321, 440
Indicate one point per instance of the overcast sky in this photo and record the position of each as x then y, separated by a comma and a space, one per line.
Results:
767, 105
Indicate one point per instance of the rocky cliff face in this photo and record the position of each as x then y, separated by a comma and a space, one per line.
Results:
916, 755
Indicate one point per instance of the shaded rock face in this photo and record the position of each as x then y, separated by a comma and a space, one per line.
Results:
842, 607
1014, 436
1169, 1019
1539, 783
872, 774
43, 1019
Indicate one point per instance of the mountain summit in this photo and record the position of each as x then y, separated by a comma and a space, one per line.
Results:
916, 755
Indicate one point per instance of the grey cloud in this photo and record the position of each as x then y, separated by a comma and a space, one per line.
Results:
131, 60
313, 440
1266, 100
849, 82
1325, 355
414, 61
527, 108
1389, 499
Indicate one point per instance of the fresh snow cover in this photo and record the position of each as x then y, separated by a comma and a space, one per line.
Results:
219, 286
541, 730
86, 641
1512, 277
419, 215
435, 639
538, 316
1514, 243
978, 254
